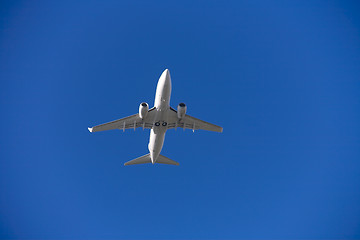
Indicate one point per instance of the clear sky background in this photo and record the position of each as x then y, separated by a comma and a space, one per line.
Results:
281, 77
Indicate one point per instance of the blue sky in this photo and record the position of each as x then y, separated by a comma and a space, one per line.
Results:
281, 78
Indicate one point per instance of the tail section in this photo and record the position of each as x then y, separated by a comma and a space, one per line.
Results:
140, 160
164, 160
146, 159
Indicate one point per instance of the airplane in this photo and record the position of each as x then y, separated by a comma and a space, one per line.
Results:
159, 119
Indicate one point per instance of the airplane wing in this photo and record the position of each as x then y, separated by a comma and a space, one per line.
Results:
133, 121
190, 122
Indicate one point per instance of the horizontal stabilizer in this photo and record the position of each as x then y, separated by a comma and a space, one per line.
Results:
139, 160
146, 159
164, 160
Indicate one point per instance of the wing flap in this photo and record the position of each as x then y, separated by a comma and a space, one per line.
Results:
125, 123
133, 121
195, 124
190, 122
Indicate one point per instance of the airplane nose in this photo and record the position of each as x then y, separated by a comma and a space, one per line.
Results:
166, 74
164, 81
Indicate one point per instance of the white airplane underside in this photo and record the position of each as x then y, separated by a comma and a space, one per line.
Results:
159, 119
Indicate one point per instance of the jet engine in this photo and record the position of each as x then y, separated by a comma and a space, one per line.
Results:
143, 110
181, 110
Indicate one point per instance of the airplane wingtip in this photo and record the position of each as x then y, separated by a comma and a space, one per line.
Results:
90, 129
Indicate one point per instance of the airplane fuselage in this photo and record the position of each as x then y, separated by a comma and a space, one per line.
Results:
162, 105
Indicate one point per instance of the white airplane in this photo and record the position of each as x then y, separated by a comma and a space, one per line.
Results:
159, 119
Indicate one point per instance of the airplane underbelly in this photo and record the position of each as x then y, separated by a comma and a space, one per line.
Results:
156, 142
162, 97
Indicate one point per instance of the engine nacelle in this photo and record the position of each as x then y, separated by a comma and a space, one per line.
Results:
181, 110
143, 110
